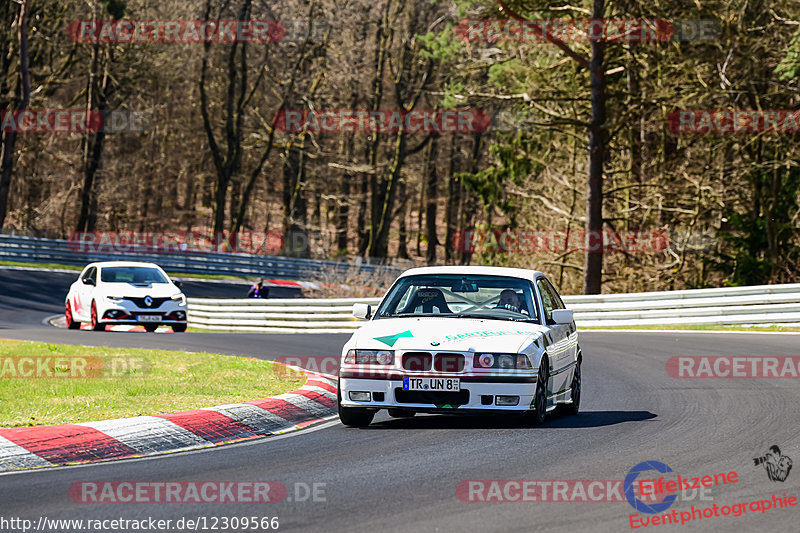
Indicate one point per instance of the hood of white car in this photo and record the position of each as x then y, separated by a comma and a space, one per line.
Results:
140, 290
451, 334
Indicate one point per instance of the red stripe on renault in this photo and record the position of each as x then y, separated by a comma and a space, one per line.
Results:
211, 425
68, 443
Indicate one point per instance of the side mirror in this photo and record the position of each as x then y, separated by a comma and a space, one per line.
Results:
562, 316
177, 283
88, 281
362, 311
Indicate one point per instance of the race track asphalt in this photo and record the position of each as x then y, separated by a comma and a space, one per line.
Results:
402, 474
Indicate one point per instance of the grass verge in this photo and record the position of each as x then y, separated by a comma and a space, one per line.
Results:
83, 384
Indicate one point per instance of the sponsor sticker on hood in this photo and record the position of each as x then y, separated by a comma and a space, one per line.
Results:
483, 334
389, 340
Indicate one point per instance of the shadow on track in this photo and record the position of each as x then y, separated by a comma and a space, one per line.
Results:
588, 419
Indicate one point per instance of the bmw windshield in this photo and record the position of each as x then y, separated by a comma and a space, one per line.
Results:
492, 297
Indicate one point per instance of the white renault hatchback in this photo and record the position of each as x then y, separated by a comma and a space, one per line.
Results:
462, 339
125, 292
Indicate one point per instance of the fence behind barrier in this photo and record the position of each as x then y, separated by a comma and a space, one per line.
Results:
34, 250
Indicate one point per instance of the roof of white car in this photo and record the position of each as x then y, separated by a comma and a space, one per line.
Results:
475, 271
123, 264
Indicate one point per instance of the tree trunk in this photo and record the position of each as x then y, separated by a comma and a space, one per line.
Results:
451, 212
24, 91
431, 182
295, 211
593, 257
343, 212
94, 142
469, 202
383, 204
402, 247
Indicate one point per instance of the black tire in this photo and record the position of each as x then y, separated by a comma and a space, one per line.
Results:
150, 328
573, 407
539, 412
96, 324
71, 322
355, 417
401, 413
179, 328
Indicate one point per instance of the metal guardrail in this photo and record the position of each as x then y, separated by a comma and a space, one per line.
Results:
290, 315
763, 304
35, 250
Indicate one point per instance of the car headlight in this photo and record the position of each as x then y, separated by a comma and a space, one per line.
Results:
502, 360
114, 299
485, 360
180, 298
369, 357
506, 361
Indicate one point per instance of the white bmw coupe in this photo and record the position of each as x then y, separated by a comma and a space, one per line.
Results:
125, 292
462, 340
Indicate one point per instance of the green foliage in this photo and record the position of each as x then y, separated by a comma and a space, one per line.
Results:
442, 46
513, 165
760, 242
465, 6
509, 75
449, 100
790, 66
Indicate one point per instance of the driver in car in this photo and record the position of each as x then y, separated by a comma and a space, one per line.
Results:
510, 300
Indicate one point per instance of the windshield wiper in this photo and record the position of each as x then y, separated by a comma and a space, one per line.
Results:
491, 317
393, 315
480, 315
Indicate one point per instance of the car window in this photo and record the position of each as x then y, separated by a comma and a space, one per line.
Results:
554, 297
547, 300
91, 273
132, 275
494, 297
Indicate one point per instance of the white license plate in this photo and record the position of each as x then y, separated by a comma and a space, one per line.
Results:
432, 384
149, 318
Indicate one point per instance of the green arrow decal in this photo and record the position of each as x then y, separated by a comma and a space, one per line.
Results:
391, 339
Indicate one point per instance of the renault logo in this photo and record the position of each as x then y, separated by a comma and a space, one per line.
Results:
148, 301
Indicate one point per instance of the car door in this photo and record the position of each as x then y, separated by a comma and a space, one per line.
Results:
559, 349
82, 303
571, 333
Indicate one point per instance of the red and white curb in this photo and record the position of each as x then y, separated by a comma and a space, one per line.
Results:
35, 447
60, 321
